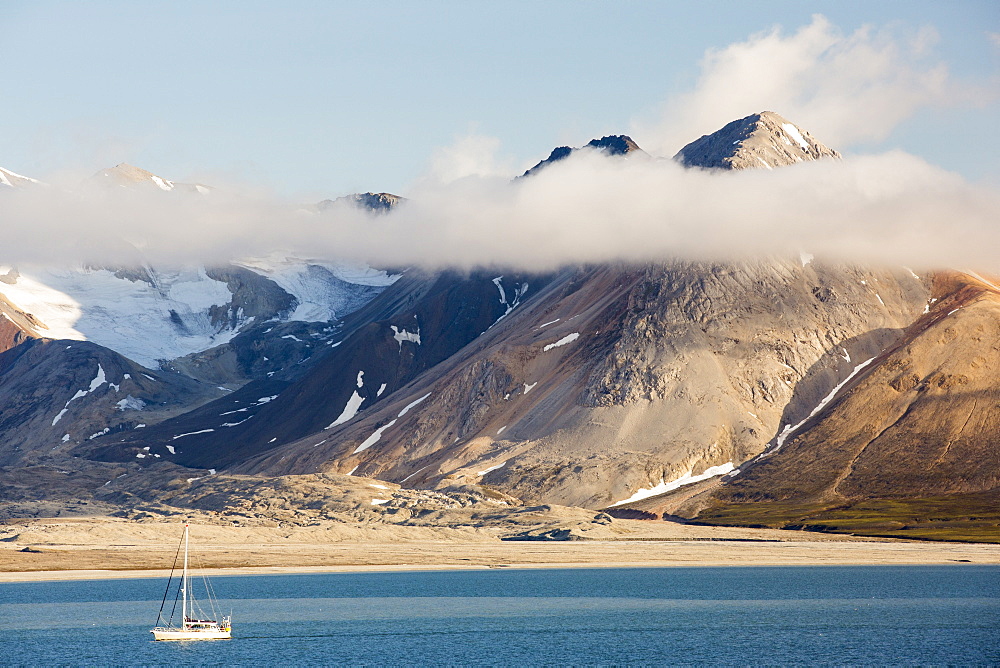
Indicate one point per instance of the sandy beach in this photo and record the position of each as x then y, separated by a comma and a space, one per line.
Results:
90, 548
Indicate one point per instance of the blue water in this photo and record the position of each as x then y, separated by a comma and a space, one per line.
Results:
801, 615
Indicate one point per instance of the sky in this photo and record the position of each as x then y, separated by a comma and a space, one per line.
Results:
310, 100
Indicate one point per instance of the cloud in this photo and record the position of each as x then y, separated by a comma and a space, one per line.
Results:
886, 209
891, 208
845, 88
470, 155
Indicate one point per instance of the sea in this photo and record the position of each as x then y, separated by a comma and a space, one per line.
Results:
823, 615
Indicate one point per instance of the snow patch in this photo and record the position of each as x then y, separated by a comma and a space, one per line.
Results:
192, 433
406, 409
519, 291
805, 258
685, 479
162, 183
403, 335
493, 468
131, 403
789, 429
529, 388
171, 449
794, 133
350, 410
550, 322
569, 338
374, 438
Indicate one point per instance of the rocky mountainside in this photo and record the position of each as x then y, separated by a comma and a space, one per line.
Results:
760, 140
613, 379
582, 388
596, 386
912, 434
164, 339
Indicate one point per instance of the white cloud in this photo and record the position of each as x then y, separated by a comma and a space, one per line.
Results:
470, 155
845, 88
890, 208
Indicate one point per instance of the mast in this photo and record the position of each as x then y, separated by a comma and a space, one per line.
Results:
184, 580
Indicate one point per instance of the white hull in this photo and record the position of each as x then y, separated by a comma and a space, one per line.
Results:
191, 634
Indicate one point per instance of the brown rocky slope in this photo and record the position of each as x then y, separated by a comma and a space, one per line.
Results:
911, 446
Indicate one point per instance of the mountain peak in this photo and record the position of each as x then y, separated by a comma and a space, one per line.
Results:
11, 179
763, 140
611, 145
130, 176
377, 202
124, 174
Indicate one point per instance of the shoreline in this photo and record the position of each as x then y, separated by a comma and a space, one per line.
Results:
53, 549
593, 555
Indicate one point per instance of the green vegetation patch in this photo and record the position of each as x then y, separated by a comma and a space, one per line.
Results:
956, 517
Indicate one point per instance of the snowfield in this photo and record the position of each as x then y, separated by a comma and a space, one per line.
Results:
168, 316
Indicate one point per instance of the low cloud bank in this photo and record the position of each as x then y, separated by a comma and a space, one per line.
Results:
890, 208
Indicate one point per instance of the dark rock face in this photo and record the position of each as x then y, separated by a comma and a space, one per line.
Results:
254, 296
55, 395
413, 326
612, 145
377, 202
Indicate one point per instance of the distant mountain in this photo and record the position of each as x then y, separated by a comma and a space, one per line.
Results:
378, 202
9, 179
129, 176
760, 140
614, 145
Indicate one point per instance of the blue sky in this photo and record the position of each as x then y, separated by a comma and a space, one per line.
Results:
319, 99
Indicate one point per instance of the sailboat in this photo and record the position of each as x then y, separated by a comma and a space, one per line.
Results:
194, 623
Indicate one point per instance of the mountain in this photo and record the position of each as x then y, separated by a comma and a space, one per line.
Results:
377, 202
614, 145
128, 176
9, 179
760, 140
908, 447
578, 388
814, 385
164, 339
